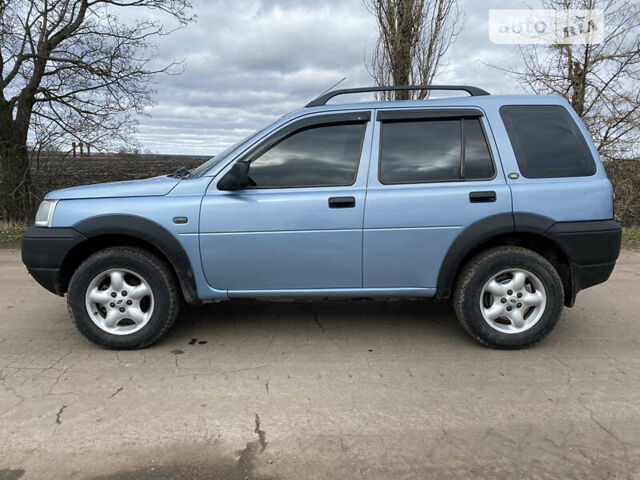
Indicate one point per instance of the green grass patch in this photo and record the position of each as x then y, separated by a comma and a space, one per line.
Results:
11, 232
631, 235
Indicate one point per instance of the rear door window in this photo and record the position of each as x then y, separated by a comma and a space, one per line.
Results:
547, 142
434, 150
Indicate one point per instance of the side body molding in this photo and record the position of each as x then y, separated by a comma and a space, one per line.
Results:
152, 233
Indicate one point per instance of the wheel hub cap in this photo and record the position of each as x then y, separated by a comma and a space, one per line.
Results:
513, 300
119, 301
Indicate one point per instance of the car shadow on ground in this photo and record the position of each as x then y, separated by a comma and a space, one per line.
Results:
336, 319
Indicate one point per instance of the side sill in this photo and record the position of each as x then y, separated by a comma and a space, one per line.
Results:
335, 292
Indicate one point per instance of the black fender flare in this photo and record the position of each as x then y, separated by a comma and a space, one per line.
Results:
151, 233
472, 236
481, 232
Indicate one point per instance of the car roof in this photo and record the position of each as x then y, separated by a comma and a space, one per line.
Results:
462, 101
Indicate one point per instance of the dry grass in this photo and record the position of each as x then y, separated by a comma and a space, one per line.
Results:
625, 178
631, 235
11, 232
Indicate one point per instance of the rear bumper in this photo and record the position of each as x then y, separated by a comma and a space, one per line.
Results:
592, 249
43, 253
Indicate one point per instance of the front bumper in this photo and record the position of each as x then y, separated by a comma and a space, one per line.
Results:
44, 251
592, 249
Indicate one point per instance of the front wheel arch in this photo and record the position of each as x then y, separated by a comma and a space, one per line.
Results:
129, 230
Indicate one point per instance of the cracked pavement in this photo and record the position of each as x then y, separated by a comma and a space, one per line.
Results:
315, 390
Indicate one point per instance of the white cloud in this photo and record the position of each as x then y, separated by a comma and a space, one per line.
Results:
249, 62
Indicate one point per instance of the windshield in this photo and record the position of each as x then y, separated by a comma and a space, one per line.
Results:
206, 166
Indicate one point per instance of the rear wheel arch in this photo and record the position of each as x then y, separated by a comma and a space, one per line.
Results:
129, 230
520, 229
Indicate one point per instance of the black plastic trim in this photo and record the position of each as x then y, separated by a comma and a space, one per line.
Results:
591, 247
588, 243
472, 236
531, 222
49, 278
561, 228
43, 253
150, 232
585, 276
426, 114
342, 202
482, 197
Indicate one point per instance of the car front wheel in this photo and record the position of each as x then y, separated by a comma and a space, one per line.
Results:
508, 297
123, 298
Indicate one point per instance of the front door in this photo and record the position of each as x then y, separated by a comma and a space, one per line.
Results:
432, 175
299, 226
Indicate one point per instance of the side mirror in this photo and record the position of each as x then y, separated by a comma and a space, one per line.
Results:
237, 178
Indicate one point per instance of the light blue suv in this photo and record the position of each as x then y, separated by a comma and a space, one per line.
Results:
498, 202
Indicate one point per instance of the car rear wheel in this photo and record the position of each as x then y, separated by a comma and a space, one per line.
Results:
508, 297
123, 298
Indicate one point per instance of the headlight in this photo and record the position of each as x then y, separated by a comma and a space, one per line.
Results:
44, 215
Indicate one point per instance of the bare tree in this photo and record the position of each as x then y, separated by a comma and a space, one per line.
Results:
414, 35
599, 80
75, 66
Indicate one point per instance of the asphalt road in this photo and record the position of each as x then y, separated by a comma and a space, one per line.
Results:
335, 390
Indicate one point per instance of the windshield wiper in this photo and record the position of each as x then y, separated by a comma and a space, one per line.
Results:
182, 172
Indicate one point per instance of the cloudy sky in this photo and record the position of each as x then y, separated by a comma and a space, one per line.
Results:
247, 62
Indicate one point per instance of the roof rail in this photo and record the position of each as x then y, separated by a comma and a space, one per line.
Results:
325, 97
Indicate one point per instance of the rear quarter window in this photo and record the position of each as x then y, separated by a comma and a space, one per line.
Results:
547, 142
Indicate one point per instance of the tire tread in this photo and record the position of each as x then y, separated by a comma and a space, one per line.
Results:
471, 269
151, 259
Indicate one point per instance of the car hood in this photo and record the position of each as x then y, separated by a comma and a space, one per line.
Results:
147, 187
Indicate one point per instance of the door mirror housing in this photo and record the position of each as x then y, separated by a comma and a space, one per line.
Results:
237, 178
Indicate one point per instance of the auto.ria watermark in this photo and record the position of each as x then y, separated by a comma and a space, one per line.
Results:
546, 26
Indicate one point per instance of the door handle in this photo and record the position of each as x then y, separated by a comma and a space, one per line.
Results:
482, 197
342, 202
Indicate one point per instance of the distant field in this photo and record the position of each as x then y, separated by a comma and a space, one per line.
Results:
55, 172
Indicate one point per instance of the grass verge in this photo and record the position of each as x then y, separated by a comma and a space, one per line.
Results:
631, 235
11, 232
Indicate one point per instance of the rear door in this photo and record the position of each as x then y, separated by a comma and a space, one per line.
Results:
433, 173
299, 226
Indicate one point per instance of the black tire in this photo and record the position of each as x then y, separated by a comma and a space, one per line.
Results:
480, 269
159, 278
